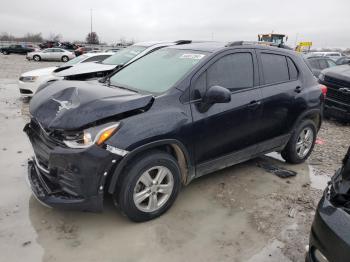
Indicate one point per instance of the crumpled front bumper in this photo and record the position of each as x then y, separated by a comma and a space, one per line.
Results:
73, 179
330, 232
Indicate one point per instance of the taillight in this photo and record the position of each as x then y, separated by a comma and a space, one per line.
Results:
323, 90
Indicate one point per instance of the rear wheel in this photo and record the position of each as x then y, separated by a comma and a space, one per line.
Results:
149, 186
65, 59
301, 143
36, 58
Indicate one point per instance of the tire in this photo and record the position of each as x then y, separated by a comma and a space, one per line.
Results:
65, 58
5, 52
153, 163
36, 58
298, 148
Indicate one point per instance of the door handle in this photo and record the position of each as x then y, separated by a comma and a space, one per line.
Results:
298, 89
254, 104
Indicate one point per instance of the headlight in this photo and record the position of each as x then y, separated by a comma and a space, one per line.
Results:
321, 77
28, 78
94, 135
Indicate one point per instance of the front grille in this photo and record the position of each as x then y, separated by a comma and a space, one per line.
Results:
336, 82
25, 91
337, 95
42, 143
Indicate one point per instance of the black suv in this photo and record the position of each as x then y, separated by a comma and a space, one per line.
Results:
174, 115
337, 80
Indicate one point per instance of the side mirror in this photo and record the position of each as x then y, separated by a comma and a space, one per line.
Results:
214, 95
217, 94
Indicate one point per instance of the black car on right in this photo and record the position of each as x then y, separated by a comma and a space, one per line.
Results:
337, 80
330, 232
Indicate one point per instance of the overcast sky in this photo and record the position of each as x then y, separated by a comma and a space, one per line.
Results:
325, 23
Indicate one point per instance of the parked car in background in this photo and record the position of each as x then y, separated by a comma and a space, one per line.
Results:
30, 81
178, 113
83, 49
16, 49
329, 236
318, 63
337, 79
343, 60
332, 55
51, 54
113, 50
115, 62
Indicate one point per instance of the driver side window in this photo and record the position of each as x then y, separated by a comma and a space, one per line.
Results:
233, 71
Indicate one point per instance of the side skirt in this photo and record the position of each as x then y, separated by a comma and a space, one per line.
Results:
275, 144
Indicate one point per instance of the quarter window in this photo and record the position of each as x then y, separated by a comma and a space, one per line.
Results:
293, 71
275, 68
234, 71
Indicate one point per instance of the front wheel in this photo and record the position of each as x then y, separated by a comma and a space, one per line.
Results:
149, 187
36, 58
65, 59
301, 143
5, 52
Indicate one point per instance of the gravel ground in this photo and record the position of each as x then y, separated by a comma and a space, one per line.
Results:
333, 143
242, 213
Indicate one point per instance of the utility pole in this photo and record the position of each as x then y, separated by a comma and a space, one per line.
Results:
90, 21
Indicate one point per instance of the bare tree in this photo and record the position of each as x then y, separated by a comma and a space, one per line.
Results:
54, 37
92, 38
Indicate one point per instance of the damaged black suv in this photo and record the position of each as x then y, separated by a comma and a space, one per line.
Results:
176, 114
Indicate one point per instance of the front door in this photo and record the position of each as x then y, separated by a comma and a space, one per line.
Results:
231, 127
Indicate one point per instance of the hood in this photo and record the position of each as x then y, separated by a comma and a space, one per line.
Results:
71, 105
40, 72
85, 68
341, 72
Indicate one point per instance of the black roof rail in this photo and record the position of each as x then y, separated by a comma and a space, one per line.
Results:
239, 43
183, 42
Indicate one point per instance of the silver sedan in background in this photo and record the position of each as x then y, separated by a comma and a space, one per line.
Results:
53, 54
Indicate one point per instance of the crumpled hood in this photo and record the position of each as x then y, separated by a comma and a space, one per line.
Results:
70, 105
85, 68
341, 72
40, 72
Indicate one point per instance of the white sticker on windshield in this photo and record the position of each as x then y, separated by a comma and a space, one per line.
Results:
192, 56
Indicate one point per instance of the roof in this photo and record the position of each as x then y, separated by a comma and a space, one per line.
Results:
152, 43
212, 46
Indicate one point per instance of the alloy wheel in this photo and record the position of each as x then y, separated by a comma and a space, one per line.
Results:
304, 142
153, 189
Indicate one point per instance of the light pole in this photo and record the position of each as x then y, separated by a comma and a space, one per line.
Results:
90, 22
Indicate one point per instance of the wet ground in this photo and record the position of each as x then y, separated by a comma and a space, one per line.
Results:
242, 213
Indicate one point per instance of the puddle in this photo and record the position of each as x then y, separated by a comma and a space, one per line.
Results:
317, 181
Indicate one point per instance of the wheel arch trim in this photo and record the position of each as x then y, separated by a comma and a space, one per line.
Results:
182, 154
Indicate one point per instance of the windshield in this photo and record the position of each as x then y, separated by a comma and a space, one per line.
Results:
124, 56
158, 71
75, 60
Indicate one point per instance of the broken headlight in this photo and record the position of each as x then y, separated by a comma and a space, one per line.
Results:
93, 135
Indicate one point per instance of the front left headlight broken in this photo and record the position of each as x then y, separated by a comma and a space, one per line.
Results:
93, 135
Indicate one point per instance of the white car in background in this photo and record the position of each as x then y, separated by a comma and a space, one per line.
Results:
53, 54
31, 80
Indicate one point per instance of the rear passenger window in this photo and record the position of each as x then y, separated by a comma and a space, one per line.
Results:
275, 68
293, 71
233, 71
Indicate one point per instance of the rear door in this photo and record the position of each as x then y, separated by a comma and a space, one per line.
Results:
280, 87
230, 127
